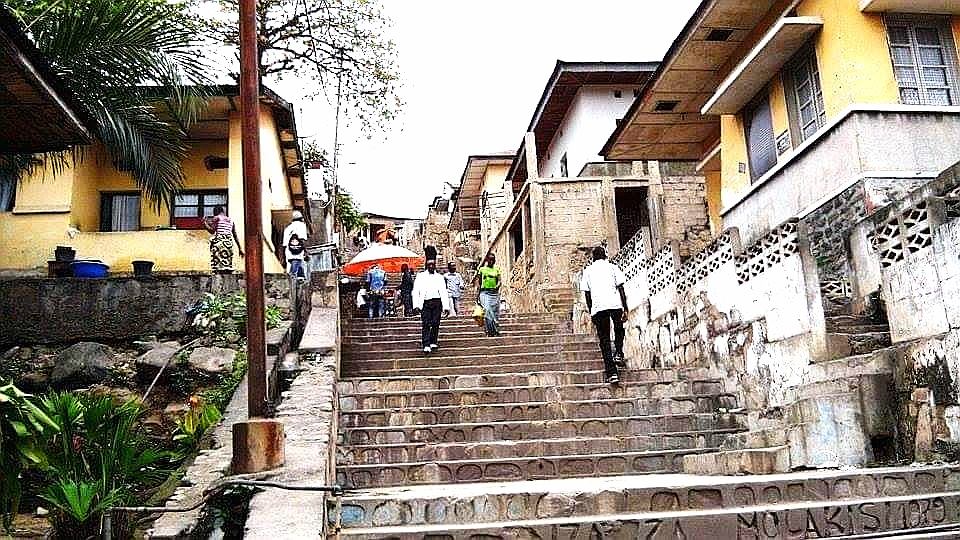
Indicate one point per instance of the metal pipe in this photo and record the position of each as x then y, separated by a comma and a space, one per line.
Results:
107, 525
252, 210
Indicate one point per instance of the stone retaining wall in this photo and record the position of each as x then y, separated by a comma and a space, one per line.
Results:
47, 310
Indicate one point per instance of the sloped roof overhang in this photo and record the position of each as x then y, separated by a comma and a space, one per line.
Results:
666, 122
39, 113
466, 206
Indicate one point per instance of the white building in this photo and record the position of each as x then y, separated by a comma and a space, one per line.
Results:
581, 104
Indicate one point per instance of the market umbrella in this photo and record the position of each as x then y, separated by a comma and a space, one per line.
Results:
389, 257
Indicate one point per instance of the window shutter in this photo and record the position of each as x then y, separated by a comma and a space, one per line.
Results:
761, 142
924, 59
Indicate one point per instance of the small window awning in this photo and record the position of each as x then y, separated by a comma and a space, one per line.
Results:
765, 59
951, 7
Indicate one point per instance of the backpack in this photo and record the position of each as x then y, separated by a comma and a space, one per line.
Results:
296, 245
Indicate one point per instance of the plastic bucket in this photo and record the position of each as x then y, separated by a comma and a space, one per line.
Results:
89, 269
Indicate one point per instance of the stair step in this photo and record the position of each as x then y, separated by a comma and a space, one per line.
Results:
775, 459
548, 377
359, 344
512, 394
388, 322
843, 344
876, 517
407, 452
492, 352
542, 362
485, 503
539, 429
531, 468
506, 412
458, 330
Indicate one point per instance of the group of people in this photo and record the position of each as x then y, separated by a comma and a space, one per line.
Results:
292, 251
433, 295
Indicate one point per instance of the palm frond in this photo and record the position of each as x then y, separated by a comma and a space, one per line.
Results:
137, 67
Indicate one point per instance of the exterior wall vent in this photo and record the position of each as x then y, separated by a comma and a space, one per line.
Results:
665, 106
719, 34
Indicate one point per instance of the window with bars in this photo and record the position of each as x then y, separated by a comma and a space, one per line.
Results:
804, 95
189, 208
924, 59
119, 212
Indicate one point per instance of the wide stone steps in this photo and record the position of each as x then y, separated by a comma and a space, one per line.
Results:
513, 364
413, 332
356, 345
418, 451
513, 394
805, 504
492, 352
513, 468
359, 384
539, 429
544, 410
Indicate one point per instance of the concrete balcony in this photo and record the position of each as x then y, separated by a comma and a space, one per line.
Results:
890, 149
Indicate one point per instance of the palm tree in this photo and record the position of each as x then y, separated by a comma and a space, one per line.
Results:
136, 67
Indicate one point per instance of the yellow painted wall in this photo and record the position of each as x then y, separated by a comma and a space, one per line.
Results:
855, 68
71, 199
714, 204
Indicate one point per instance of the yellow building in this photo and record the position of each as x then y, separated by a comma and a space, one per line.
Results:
823, 110
98, 210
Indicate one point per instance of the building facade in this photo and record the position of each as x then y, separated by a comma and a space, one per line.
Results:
827, 132
99, 211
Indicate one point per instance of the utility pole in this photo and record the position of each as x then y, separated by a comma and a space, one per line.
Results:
253, 210
258, 442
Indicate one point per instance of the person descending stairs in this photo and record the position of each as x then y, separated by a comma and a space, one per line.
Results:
518, 436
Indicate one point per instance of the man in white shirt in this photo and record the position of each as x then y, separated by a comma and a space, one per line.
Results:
431, 299
602, 285
295, 244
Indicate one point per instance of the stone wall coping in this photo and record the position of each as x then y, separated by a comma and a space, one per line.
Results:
320, 334
826, 130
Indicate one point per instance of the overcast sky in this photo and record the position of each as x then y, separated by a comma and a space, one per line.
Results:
472, 75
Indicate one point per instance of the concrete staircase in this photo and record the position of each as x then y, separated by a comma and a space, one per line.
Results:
518, 437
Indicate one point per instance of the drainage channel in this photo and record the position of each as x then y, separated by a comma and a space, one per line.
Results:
335, 490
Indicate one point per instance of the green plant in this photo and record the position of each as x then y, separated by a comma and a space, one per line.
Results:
22, 424
135, 67
273, 316
98, 444
225, 316
220, 396
191, 427
79, 506
347, 211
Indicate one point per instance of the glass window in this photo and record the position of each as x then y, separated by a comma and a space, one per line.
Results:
190, 208
924, 59
119, 212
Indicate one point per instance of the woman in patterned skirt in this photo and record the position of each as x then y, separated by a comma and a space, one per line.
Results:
222, 241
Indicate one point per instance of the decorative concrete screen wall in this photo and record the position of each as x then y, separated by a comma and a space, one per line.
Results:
753, 312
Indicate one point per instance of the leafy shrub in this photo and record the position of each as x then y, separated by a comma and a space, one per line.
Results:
99, 457
22, 425
191, 427
225, 316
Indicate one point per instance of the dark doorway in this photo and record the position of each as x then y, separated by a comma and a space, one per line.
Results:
631, 204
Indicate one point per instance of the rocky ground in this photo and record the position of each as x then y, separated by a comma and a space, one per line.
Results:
194, 367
